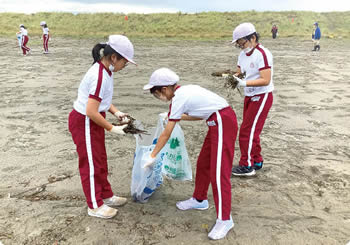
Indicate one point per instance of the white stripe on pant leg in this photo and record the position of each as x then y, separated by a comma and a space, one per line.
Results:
251, 137
46, 43
218, 164
91, 162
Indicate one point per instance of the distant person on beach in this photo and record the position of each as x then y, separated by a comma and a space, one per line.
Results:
256, 62
190, 103
87, 123
45, 36
316, 36
24, 39
274, 31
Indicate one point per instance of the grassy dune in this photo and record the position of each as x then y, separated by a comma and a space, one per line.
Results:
205, 25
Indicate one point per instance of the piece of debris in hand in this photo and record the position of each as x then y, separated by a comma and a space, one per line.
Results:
220, 73
133, 126
231, 82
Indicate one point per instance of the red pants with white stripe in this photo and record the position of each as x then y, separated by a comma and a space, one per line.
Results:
25, 40
214, 163
255, 113
46, 43
89, 139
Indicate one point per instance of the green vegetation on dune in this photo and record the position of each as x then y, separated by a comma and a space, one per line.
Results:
205, 25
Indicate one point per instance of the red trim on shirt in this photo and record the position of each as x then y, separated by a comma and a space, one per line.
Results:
99, 81
251, 52
95, 97
174, 120
169, 110
107, 70
264, 68
265, 58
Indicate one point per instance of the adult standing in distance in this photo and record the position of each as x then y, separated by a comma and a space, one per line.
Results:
274, 31
316, 36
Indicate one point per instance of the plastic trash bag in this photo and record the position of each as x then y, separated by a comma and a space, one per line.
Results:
174, 156
145, 180
172, 161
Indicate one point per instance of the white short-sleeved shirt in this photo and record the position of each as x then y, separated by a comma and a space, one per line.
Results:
194, 101
252, 63
97, 84
45, 31
23, 31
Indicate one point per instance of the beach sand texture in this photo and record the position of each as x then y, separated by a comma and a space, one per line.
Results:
301, 196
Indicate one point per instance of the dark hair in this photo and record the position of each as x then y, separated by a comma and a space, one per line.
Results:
159, 88
107, 51
23, 26
257, 36
45, 26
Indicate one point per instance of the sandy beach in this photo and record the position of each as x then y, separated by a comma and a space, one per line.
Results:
301, 196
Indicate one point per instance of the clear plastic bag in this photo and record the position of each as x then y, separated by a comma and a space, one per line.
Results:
145, 180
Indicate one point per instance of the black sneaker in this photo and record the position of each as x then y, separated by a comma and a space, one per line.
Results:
258, 165
243, 171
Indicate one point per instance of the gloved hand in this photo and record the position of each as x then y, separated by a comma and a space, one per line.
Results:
149, 161
122, 117
118, 129
241, 82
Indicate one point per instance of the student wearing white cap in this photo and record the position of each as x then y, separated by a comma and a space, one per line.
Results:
87, 123
24, 37
257, 62
45, 36
214, 164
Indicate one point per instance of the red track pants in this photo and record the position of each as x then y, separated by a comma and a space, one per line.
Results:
214, 163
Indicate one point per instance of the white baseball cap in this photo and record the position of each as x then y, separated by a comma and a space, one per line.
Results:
123, 46
162, 77
21, 25
42, 23
242, 30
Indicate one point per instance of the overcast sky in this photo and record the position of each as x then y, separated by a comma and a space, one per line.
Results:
156, 6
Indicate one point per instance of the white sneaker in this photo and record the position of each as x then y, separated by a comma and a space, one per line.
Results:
115, 201
221, 228
192, 203
103, 212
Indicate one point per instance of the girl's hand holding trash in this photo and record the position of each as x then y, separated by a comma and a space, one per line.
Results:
122, 117
241, 82
118, 129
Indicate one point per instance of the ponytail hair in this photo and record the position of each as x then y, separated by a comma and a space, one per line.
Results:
96, 51
107, 51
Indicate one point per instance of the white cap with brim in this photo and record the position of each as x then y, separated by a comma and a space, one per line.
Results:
123, 46
21, 25
242, 30
42, 23
162, 77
